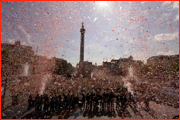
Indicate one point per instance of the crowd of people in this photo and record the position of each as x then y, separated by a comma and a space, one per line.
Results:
63, 93
104, 100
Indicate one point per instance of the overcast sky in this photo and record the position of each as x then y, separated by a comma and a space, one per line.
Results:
113, 29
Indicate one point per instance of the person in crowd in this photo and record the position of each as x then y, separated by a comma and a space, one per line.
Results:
111, 99
76, 99
40, 103
80, 102
83, 100
73, 101
88, 101
106, 99
55, 102
118, 102
103, 101
65, 101
52, 104
130, 99
121, 100
47, 101
46, 105
99, 99
93, 96
135, 100
146, 101
138, 106
68, 100
37, 105
30, 102
124, 100
58, 102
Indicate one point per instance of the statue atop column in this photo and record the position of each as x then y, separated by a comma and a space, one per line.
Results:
82, 25
82, 30
81, 61
83, 66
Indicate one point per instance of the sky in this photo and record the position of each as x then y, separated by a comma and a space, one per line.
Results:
113, 29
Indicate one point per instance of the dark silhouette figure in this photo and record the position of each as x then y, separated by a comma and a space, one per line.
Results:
30, 102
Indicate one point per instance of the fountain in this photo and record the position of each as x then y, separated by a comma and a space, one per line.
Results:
92, 75
127, 83
44, 80
26, 69
24, 73
131, 72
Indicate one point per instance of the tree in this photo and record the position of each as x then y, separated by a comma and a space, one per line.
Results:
62, 67
5, 52
174, 68
145, 69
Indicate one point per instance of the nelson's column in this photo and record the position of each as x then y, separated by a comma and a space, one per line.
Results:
81, 62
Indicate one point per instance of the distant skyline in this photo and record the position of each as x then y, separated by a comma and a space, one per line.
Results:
113, 29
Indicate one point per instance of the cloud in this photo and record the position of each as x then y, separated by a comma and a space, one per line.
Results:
166, 3
171, 52
28, 36
167, 36
95, 19
23, 43
166, 14
177, 18
144, 2
11, 41
176, 5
